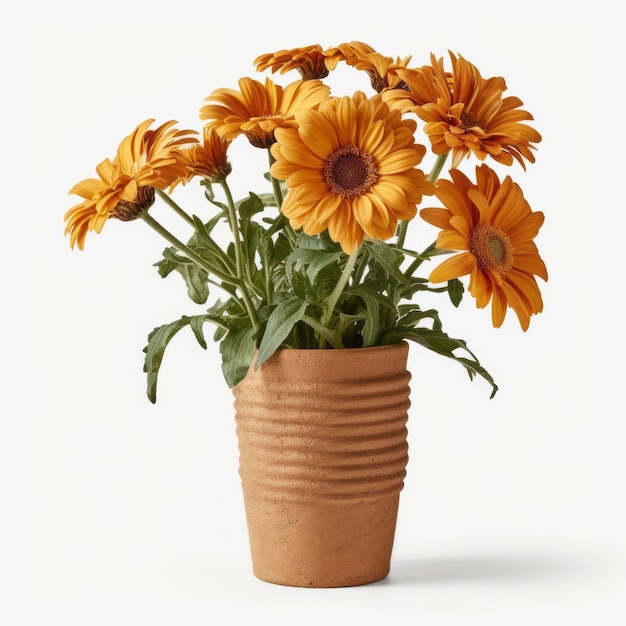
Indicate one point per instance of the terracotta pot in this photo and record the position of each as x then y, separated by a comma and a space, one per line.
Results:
323, 454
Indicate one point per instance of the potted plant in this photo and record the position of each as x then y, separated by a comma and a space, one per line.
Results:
314, 291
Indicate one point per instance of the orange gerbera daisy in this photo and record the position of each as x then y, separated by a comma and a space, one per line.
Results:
309, 61
259, 109
146, 159
465, 113
350, 168
209, 159
493, 225
382, 70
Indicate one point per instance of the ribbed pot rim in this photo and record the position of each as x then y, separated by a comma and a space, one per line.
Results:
318, 359
324, 353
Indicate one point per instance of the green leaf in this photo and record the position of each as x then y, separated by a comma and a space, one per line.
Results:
371, 327
266, 199
317, 242
455, 291
312, 273
160, 337
388, 259
250, 206
157, 342
196, 280
441, 343
237, 349
279, 324
412, 315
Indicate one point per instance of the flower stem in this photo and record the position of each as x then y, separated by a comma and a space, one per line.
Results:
437, 167
337, 291
168, 200
278, 194
200, 262
234, 227
432, 177
419, 260
332, 337
281, 222
360, 268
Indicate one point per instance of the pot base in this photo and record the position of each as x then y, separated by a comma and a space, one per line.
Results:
329, 544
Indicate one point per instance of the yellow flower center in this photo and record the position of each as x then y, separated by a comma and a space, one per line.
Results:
350, 172
492, 248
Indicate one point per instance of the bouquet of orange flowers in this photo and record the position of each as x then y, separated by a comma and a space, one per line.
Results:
321, 257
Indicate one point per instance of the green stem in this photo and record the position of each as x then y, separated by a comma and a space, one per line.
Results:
281, 222
419, 260
243, 273
177, 209
226, 261
337, 291
432, 177
360, 268
437, 167
278, 193
234, 227
200, 262
333, 338
402, 227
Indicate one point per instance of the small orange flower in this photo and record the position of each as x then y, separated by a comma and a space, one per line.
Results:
309, 61
209, 159
350, 168
259, 109
382, 70
146, 159
465, 113
494, 227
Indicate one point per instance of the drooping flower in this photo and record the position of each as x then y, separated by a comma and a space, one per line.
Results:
208, 159
466, 113
146, 159
350, 168
259, 109
493, 227
382, 70
309, 61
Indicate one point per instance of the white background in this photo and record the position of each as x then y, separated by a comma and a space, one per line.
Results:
117, 511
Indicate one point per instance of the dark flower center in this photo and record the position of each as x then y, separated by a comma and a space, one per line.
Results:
492, 248
350, 172
468, 121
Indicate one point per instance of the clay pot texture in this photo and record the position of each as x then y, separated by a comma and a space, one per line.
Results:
323, 454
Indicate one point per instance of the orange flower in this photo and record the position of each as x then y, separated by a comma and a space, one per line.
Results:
309, 61
209, 159
494, 227
146, 159
382, 70
259, 109
465, 113
350, 168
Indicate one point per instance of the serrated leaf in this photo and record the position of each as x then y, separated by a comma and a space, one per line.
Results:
196, 280
317, 242
160, 337
387, 258
157, 342
441, 343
